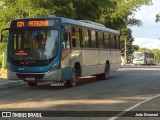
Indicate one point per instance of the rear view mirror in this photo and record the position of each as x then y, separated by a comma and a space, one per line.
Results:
1, 36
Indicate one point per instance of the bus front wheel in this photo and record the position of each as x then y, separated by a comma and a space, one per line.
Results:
32, 84
73, 81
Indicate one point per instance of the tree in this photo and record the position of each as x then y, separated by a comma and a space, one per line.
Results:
157, 53
115, 14
157, 17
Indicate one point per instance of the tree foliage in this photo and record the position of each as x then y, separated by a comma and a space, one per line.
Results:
115, 14
112, 13
157, 17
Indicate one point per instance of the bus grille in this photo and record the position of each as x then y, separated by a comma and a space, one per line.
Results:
36, 76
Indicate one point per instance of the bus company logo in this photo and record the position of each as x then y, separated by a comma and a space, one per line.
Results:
6, 114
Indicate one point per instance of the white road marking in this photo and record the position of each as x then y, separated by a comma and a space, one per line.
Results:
131, 108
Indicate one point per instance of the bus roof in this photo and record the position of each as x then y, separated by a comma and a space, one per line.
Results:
83, 23
88, 24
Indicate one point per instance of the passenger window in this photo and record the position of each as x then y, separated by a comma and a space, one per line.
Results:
107, 40
75, 37
93, 39
118, 42
85, 42
112, 41
100, 39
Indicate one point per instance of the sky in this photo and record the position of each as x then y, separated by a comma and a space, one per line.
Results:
147, 35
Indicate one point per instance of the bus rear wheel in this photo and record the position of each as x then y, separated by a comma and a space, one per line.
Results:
73, 82
105, 75
32, 84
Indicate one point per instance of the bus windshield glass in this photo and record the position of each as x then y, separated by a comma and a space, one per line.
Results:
138, 55
33, 44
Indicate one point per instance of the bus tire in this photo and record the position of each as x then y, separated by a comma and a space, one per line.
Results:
105, 75
73, 81
32, 84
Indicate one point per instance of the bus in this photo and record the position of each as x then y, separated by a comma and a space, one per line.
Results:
143, 58
57, 49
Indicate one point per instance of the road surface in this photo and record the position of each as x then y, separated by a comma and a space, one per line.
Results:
128, 89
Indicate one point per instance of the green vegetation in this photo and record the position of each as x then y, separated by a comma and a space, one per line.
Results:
2, 51
157, 17
115, 14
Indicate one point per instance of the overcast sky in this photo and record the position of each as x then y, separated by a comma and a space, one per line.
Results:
148, 35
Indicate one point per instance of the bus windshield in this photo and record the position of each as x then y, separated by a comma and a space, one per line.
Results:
33, 44
138, 55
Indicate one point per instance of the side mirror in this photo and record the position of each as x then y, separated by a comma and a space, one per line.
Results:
65, 36
1, 36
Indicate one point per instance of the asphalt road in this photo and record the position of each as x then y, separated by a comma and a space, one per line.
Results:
128, 89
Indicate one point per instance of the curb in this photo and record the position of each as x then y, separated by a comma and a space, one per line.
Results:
11, 84
130, 66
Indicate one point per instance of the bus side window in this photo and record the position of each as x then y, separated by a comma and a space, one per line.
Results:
73, 37
68, 45
118, 43
115, 42
100, 39
112, 41
65, 43
93, 39
77, 37
107, 40
80, 38
85, 41
97, 40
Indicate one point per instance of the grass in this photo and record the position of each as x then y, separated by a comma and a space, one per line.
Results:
3, 74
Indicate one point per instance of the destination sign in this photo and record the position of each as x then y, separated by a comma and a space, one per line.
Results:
34, 23
39, 23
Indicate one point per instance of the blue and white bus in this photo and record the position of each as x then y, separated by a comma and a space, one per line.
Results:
57, 49
143, 58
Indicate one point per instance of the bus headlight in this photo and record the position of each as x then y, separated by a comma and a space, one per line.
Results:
54, 67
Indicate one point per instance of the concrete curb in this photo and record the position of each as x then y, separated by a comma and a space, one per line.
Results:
10, 84
131, 66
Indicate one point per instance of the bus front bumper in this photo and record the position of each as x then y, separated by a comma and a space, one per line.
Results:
138, 62
39, 77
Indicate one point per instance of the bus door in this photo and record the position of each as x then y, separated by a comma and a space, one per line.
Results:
66, 41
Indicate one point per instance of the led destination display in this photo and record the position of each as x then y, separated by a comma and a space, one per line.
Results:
34, 23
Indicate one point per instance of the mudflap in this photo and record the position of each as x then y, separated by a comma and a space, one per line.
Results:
67, 73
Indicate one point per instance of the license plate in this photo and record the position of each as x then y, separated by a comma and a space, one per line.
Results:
30, 78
